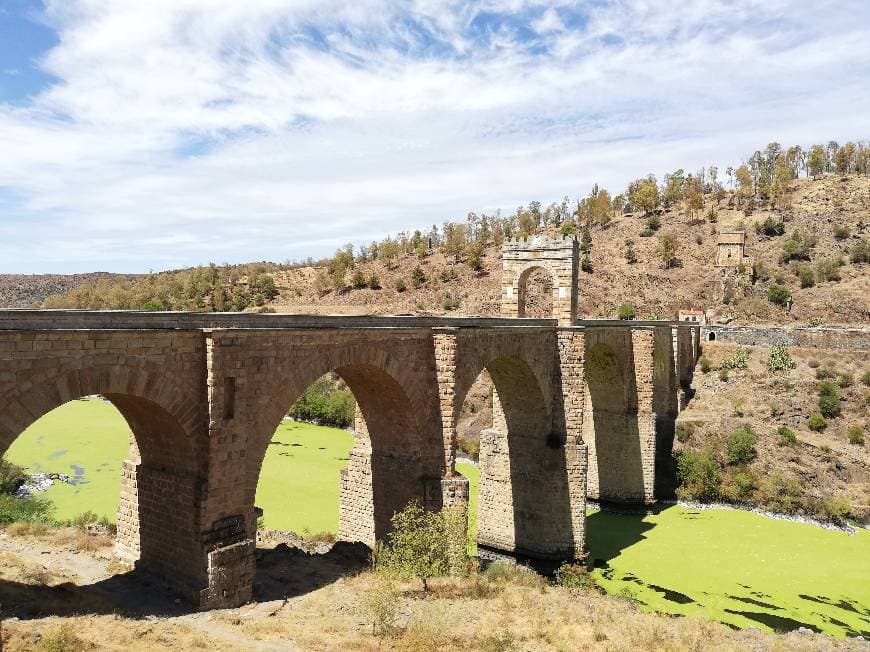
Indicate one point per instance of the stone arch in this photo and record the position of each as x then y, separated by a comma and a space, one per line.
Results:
160, 487
535, 292
612, 433
524, 505
558, 255
711, 336
394, 456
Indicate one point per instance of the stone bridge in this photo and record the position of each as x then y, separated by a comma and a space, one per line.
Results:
581, 409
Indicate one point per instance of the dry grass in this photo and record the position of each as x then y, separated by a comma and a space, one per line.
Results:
27, 529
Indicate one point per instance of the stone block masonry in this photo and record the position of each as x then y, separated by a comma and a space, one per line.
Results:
204, 394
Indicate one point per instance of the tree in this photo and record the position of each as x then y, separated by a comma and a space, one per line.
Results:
816, 161
388, 252
744, 182
672, 192
644, 194
843, 160
455, 242
668, 246
693, 200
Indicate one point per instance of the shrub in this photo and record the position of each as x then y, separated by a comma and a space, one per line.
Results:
770, 227
626, 311
418, 277
829, 400
778, 295
845, 379
824, 372
425, 544
738, 484
828, 270
841, 232
568, 228
779, 493
374, 282
24, 509
400, 285
381, 604
653, 223
63, 639
741, 445
860, 252
806, 276
647, 233
780, 359
12, 477
586, 264
502, 572
684, 431
834, 508
796, 247
698, 476
83, 520
737, 360
723, 374
705, 365
469, 445
786, 436
856, 434
815, 322
574, 576
817, 423
865, 378
450, 302
359, 280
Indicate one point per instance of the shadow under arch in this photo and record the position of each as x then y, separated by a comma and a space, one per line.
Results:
615, 459
535, 292
158, 522
392, 460
524, 505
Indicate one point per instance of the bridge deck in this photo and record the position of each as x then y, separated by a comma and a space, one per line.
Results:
137, 320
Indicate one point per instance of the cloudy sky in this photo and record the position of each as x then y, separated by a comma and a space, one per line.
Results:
151, 135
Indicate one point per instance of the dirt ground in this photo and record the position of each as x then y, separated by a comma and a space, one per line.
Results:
58, 597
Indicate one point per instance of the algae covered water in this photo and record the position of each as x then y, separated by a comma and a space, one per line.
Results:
737, 567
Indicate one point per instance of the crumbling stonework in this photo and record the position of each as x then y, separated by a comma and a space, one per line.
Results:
204, 394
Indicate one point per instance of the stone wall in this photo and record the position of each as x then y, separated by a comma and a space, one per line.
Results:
853, 339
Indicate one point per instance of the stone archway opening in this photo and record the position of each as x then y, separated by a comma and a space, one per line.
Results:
535, 293
375, 463
523, 504
119, 472
711, 336
615, 466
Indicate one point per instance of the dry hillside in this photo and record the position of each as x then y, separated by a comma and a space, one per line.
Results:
30, 290
818, 205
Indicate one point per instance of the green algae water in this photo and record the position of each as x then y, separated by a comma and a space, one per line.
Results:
737, 567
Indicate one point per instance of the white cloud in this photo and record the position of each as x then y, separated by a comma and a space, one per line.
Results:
183, 131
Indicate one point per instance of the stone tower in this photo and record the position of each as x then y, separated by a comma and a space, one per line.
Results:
558, 255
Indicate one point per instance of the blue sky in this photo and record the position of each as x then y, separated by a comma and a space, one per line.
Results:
152, 135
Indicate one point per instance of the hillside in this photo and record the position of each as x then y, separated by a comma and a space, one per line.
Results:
818, 205
31, 290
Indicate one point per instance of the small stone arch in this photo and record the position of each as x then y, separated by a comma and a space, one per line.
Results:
711, 336
535, 292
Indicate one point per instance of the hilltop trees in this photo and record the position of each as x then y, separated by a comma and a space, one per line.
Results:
643, 194
816, 161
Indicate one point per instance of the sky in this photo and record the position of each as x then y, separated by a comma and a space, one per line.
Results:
162, 134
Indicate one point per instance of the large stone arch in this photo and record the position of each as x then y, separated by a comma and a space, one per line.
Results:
396, 454
525, 504
158, 515
611, 429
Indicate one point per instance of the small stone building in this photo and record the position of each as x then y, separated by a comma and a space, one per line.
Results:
693, 315
731, 249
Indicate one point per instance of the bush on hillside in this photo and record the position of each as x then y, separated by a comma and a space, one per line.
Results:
418, 277
828, 270
856, 434
770, 227
865, 378
841, 232
860, 252
741, 445
845, 379
806, 276
723, 374
626, 311
780, 492
737, 360
778, 295
325, 402
705, 365
829, 400
817, 423
400, 285
698, 476
574, 576
797, 247
780, 359
786, 436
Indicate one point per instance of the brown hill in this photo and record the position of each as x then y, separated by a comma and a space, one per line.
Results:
31, 290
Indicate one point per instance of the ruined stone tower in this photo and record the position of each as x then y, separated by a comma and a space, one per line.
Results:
556, 255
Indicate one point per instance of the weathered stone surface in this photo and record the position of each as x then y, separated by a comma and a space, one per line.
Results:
203, 395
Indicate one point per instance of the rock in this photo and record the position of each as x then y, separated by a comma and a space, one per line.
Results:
35, 638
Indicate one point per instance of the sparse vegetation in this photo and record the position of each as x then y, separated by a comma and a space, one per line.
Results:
741, 445
786, 436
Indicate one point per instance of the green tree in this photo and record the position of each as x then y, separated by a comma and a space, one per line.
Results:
644, 194
668, 248
816, 161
